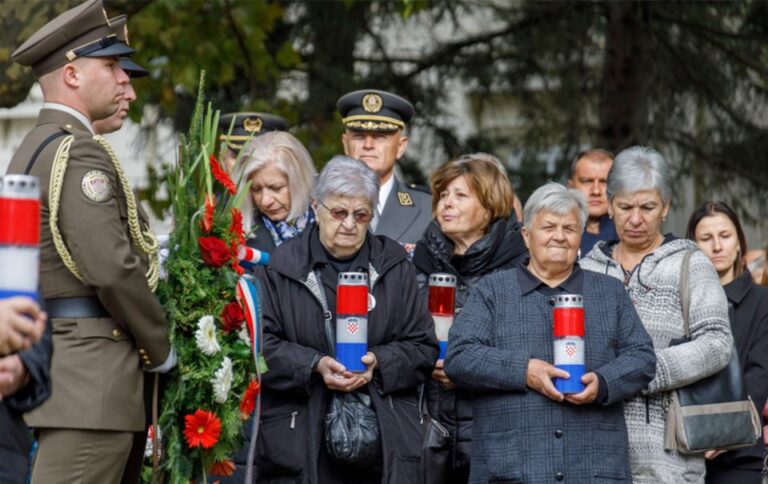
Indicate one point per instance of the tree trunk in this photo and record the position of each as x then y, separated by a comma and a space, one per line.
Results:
623, 107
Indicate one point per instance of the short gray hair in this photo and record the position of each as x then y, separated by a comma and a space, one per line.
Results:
346, 177
639, 168
289, 156
554, 197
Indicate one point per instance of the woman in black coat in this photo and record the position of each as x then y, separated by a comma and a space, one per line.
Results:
717, 231
474, 233
303, 376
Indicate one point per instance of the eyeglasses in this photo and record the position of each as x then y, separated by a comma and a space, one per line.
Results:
341, 214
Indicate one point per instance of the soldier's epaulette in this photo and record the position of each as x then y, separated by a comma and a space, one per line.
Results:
420, 188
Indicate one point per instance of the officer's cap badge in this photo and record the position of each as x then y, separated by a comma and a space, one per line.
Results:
405, 199
96, 186
252, 125
372, 103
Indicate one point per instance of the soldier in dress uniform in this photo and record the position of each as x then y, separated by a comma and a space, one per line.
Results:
244, 126
375, 123
99, 263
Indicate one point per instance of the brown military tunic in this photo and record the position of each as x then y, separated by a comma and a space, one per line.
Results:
97, 363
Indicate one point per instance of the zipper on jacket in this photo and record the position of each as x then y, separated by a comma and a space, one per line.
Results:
647, 410
293, 419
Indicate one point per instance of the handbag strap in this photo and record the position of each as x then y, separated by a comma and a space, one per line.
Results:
315, 286
685, 292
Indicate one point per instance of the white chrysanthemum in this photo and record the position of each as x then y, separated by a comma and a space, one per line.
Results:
205, 336
222, 381
244, 336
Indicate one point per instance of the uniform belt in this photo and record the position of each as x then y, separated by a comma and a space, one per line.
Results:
75, 307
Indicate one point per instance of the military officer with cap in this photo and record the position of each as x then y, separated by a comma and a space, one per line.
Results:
237, 128
99, 264
374, 123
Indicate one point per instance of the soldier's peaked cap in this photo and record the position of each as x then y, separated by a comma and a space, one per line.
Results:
83, 31
129, 66
373, 110
248, 125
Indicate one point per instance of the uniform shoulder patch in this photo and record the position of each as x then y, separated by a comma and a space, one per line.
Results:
96, 186
405, 199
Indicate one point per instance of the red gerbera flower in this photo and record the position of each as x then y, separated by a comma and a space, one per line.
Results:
224, 468
202, 429
248, 403
221, 176
206, 224
236, 227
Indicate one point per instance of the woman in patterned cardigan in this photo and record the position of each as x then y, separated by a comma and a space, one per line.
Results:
649, 264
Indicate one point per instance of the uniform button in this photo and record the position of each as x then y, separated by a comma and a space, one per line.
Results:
142, 352
116, 333
559, 476
558, 433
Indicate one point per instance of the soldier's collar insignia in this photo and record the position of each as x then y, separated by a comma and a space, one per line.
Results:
405, 199
372, 103
252, 125
96, 186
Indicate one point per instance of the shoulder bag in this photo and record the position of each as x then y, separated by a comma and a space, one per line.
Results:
714, 412
436, 447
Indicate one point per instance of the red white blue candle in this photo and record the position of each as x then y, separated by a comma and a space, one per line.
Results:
352, 319
568, 332
19, 235
442, 304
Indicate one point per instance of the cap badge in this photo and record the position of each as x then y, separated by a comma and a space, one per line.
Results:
372, 103
96, 186
405, 199
125, 34
252, 125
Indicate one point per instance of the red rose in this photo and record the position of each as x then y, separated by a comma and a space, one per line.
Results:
215, 251
232, 317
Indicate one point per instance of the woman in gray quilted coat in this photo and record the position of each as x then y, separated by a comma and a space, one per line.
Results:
649, 264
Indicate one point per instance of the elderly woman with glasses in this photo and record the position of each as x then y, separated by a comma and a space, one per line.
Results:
649, 264
303, 373
501, 351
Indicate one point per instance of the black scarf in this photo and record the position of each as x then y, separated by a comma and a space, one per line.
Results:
501, 247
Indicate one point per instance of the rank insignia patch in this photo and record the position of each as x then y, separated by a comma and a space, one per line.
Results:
405, 199
96, 186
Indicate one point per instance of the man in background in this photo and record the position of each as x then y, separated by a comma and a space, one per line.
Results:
589, 175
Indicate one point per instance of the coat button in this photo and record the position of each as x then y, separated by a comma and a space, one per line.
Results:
141, 351
116, 333
559, 476
558, 433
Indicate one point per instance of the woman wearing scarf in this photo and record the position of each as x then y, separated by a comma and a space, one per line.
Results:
474, 233
281, 173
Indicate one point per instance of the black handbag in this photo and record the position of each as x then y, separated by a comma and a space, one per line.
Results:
436, 447
714, 412
351, 428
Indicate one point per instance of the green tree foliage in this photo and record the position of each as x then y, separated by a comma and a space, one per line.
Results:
685, 77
